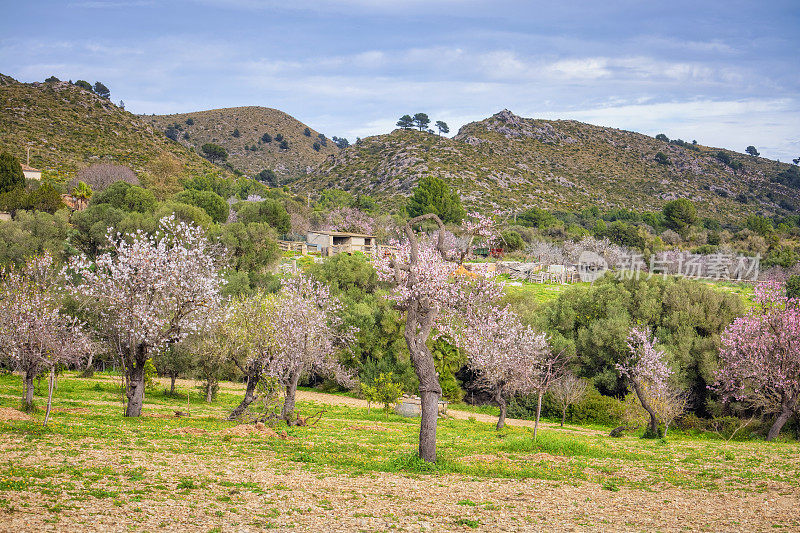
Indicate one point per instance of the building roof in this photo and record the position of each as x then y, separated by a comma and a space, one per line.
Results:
26, 168
341, 234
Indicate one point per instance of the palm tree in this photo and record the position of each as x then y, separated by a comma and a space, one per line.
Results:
82, 192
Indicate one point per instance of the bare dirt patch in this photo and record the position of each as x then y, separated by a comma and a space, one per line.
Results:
7, 414
188, 431
258, 429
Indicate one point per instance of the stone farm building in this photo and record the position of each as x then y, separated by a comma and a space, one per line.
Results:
332, 242
31, 173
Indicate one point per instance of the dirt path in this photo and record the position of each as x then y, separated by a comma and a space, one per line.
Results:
333, 399
328, 399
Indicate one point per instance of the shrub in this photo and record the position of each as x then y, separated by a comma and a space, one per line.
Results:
512, 241
793, 287
679, 214
433, 195
214, 152
383, 390
662, 137
190, 121
662, 159
127, 197
593, 408
266, 138
307, 132
212, 203
269, 211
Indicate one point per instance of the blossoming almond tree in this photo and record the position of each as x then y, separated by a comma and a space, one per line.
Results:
246, 336
425, 288
149, 291
506, 355
760, 356
34, 334
307, 329
646, 368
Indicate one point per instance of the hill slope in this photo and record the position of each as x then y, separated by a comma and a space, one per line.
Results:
506, 161
69, 128
218, 125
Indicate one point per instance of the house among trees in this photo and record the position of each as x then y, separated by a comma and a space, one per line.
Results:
333, 242
31, 173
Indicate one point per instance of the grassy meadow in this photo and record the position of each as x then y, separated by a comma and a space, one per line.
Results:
92, 469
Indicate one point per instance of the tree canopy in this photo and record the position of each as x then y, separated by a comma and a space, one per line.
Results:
11, 175
433, 195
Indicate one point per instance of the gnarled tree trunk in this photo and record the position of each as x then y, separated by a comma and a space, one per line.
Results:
89, 370
135, 392
652, 427
249, 396
787, 409
419, 323
210, 390
501, 403
287, 413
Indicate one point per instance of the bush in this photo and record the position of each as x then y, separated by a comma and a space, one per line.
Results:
214, 152
793, 287
679, 214
384, 391
512, 241
662, 159
209, 201
269, 211
127, 197
594, 408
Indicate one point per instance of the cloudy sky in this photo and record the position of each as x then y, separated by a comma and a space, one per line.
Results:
726, 73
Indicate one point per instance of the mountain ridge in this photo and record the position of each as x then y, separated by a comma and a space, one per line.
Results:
218, 126
69, 128
509, 162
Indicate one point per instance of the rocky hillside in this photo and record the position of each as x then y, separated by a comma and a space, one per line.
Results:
252, 136
507, 161
68, 128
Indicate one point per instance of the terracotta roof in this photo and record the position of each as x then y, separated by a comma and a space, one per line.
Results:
29, 169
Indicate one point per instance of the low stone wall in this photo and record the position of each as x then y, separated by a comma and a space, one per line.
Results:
411, 406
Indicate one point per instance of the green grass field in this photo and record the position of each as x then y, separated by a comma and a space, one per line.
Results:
91, 468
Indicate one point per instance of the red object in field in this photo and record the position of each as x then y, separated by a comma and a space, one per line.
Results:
496, 252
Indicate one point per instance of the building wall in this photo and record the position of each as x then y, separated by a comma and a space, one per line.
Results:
32, 174
320, 240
